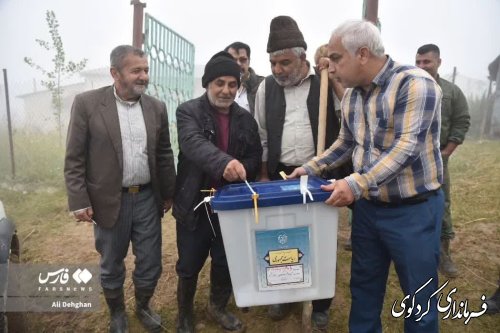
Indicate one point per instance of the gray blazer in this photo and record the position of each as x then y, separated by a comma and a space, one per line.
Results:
93, 167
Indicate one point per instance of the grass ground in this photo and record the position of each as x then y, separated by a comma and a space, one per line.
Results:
49, 235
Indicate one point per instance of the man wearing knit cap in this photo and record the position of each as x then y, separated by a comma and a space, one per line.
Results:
218, 144
286, 110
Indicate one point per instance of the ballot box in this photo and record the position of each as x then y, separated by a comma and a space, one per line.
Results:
281, 247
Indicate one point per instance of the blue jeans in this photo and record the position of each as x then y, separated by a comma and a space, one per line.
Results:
409, 235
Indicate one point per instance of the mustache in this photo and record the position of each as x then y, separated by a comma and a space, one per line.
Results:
281, 77
282, 81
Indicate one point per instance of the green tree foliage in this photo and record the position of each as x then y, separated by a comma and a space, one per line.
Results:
61, 69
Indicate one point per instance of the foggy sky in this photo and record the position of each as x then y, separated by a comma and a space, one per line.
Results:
464, 30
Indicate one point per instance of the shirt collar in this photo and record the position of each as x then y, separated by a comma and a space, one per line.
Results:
385, 72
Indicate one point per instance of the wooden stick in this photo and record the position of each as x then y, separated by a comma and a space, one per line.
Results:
306, 317
28, 236
476, 220
323, 100
487, 281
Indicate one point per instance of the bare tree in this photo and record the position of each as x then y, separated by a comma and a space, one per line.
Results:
61, 69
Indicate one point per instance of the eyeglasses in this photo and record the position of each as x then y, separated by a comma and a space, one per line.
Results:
241, 60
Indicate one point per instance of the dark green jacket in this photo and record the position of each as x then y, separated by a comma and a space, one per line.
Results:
251, 85
455, 118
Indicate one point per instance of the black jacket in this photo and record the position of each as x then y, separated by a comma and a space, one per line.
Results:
201, 161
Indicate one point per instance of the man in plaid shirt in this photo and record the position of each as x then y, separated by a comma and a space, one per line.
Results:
390, 128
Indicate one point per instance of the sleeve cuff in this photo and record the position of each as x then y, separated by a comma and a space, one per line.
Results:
309, 170
458, 141
355, 188
80, 210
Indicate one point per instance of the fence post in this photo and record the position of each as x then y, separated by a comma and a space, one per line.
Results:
370, 11
9, 123
486, 119
137, 37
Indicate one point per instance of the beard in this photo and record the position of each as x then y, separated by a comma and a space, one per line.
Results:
289, 80
139, 88
220, 103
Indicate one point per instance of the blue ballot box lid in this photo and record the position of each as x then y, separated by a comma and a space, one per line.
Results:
273, 193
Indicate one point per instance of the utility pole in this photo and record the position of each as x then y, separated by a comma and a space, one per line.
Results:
137, 36
453, 78
9, 123
370, 11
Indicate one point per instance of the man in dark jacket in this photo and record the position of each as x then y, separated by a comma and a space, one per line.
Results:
219, 144
286, 110
250, 81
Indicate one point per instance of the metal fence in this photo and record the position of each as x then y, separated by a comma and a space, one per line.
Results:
38, 141
171, 62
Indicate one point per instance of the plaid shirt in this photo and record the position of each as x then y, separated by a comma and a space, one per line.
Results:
392, 134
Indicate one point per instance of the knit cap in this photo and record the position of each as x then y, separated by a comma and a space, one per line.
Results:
221, 64
284, 33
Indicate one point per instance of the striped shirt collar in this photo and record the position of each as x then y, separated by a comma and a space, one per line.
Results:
382, 76
385, 72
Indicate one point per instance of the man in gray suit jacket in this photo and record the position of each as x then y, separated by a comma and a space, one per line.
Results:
120, 175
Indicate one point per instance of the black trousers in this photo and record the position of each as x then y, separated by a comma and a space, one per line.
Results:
194, 246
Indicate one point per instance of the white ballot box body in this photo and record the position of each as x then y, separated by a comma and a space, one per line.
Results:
284, 251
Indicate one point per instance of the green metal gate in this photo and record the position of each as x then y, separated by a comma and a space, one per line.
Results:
171, 68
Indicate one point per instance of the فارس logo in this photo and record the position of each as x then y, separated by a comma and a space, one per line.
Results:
82, 276
61, 276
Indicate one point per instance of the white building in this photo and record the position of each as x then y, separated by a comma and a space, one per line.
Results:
40, 114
